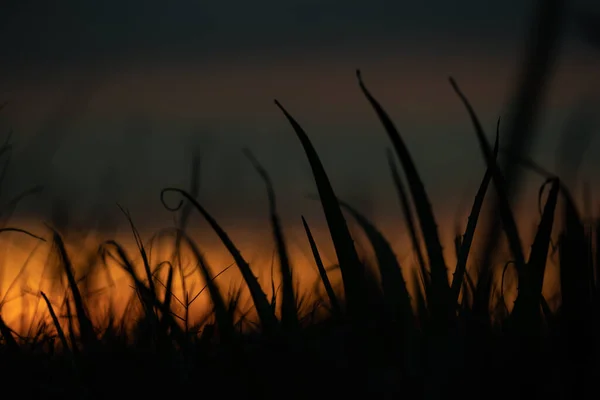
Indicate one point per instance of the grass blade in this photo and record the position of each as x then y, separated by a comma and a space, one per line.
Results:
86, 328
222, 316
393, 283
289, 315
141, 249
526, 312
464, 243
6, 332
506, 215
335, 305
353, 273
437, 265
265, 314
408, 216
59, 330
148, 297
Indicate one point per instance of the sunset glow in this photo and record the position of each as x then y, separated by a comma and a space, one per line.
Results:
301, 200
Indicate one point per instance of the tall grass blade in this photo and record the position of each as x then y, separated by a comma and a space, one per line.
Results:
71, 326
408, 215
183, 222
506, 215
353, 273
334, 303
86, 328
141, 249
464, 243
289, 315
526, 312
59, 330
439, 276
535, 73
393, 283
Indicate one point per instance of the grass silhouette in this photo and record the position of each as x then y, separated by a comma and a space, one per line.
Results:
394, 331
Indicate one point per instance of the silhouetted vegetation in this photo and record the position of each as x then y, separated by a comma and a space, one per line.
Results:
423, 330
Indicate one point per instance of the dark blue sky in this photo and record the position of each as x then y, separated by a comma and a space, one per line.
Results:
34, 32
128, 87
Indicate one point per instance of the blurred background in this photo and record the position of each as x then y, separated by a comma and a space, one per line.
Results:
108, 101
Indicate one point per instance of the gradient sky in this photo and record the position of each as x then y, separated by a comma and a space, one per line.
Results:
108, 98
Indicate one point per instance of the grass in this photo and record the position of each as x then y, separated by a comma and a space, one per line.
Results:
428, 330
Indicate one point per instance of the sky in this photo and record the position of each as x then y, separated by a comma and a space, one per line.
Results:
108, 100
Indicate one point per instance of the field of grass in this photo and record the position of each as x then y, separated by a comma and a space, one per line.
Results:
429, 330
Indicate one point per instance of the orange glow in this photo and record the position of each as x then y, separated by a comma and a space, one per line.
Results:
24, 305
